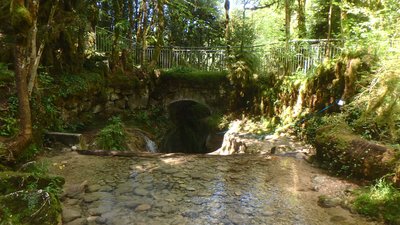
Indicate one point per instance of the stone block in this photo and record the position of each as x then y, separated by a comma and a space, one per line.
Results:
69, 139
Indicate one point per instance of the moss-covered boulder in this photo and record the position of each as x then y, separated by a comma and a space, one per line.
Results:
27, 198
11, 181
340, 150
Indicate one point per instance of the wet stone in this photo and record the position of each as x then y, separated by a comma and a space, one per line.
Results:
124, 188
70, 213
267, 213
143, 207
99, 210
95, 196
91, 220
130, 204
328, 202
93, 188
169, 170
180, 175
106, 188
141, 191
79, 221
337, 219
71, 201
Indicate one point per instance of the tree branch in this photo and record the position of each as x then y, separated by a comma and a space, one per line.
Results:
262, 6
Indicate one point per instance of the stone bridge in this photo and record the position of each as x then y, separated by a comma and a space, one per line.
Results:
172, 92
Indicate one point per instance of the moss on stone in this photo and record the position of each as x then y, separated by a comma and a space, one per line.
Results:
30, 207
346, 153
27, 198
11, 181
194, 77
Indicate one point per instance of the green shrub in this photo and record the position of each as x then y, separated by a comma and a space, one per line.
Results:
6, 75
75, 84
381, 200
8, 126
113, 136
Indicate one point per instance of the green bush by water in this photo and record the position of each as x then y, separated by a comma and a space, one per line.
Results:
381, 200
113, 136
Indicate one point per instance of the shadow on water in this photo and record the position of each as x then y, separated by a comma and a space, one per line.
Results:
190, 130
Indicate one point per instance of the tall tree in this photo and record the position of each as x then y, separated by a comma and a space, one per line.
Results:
141, 35
118, 26
227, 26
301, 18
24, 16
159, 27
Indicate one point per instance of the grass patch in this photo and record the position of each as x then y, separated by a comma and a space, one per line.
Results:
194, 76
381, 201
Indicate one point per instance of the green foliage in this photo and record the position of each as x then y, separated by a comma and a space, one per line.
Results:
8, 126
381, 200
6, 76
8, 121
124, 81
75, 84
319, 21
29, 198
113, 136
244, 68
195, 23
29, 153
375, 112
21, 18
40, 168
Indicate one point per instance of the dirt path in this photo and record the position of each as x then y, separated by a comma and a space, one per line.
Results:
190, 189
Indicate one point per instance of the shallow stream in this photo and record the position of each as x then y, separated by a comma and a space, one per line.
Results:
197, 189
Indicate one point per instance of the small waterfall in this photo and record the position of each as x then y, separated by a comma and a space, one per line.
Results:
150, 145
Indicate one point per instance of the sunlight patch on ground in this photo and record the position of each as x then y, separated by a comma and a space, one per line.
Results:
174, 161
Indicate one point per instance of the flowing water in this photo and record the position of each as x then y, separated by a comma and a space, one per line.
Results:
197, 189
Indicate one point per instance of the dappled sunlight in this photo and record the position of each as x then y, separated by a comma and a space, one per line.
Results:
174, 160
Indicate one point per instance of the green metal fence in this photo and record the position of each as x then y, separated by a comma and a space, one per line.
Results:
299, 55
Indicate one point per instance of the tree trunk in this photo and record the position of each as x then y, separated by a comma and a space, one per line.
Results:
301, 18
160, 24
36, 55
24, 137
116, 37
25, 58
288, 14
327, 50
131, 21
227, 29
141, 34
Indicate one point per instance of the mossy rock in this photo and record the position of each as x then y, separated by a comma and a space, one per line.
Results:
26, 198
30, 207
194, 77
11, 181
346, 153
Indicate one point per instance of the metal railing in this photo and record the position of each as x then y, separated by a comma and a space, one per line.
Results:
300, 55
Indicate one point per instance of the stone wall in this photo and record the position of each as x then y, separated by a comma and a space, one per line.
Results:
102, 103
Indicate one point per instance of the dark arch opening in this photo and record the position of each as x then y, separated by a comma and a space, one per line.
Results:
189, 131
